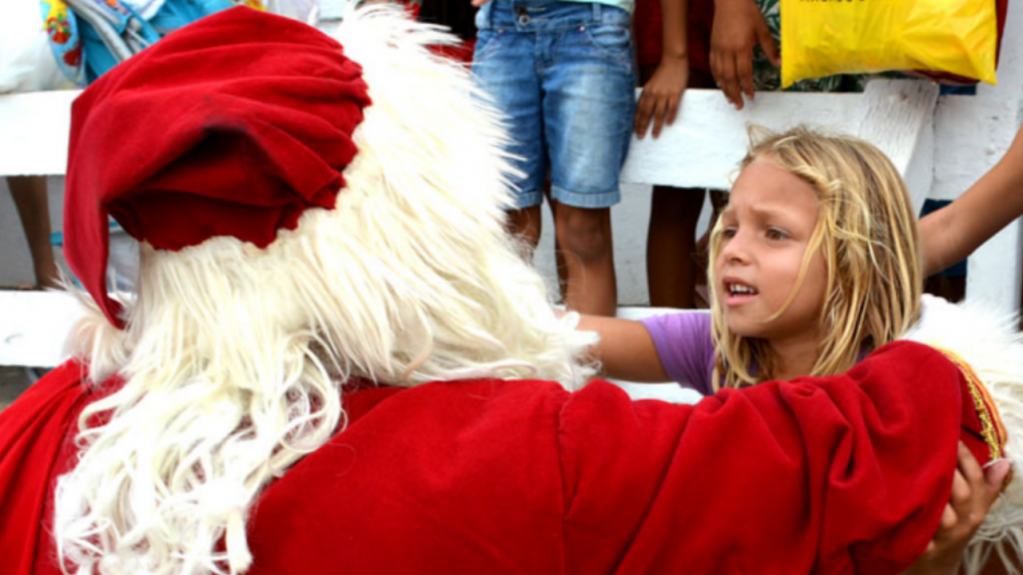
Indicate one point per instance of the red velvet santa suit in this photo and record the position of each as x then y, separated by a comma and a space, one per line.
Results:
824, 475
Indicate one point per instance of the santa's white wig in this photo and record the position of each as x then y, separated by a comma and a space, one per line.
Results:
234, 358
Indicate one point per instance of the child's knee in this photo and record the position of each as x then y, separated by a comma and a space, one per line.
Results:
583, 232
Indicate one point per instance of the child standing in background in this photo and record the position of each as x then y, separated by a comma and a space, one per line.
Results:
672, 271
562, 72
26, 65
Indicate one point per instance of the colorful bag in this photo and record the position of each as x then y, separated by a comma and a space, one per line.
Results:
88, 37
826, 37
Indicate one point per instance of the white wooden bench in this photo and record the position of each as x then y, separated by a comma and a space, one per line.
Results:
701, 150
36, 325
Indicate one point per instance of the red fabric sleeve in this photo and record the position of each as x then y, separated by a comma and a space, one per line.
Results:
812, 476
823, 475
32, 435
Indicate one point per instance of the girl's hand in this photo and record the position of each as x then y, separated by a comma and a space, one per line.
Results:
973, 492
738, 28
661, 96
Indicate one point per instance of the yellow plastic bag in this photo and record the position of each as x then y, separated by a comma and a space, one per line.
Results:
826, 37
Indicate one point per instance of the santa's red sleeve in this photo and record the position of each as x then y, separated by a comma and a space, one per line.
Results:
32, 441
820, 475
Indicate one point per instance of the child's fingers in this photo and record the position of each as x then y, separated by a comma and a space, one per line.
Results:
961, 491
726, 79
994, 478
949, 517
968, 465
973, 491
744, 65
673, 105
715, 68
643, 112
768, 44
975, 509
660, 110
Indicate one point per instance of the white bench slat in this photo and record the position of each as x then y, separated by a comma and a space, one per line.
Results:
898, 117
701, 150
34, 131
34, 326
709, 137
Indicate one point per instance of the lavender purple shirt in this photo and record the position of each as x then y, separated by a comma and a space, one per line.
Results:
685, 348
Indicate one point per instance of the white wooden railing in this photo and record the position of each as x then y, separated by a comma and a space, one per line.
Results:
701, 150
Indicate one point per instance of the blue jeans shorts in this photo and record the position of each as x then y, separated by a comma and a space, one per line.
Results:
562, 73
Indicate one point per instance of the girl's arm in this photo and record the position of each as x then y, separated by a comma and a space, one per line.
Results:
662, 94
952, 233
626, 351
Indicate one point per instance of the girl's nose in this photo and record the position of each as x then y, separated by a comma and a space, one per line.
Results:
735, 249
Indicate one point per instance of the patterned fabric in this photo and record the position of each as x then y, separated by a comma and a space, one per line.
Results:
65, 39
991, 427
766, 77
158, 17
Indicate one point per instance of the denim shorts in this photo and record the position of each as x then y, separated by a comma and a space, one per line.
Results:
562, 73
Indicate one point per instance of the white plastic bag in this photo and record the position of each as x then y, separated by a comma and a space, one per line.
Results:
26, 62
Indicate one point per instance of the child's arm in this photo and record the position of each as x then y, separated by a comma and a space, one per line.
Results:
663, 92
973, 492
738, 28
952, 233
626, 350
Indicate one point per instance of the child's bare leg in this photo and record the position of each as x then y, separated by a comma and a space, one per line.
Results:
29, 193
585, 238
559, 256
671, 244
526, 224
671, 265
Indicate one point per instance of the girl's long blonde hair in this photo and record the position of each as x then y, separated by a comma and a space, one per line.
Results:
867, 233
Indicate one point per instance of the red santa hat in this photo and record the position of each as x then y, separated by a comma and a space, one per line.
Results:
255, 126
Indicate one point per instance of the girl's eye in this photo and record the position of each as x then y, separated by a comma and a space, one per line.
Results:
728, 233
776, 234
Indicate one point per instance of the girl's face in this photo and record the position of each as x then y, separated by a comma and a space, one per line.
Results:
766, 229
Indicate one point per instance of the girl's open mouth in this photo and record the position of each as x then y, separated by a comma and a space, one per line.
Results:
737, 293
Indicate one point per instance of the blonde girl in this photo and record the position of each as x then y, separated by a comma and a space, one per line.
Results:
816, 261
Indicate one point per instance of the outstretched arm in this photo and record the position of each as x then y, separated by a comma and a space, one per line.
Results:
950, 234
625, 350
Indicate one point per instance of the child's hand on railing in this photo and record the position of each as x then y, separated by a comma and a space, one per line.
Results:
662, 96
738, 28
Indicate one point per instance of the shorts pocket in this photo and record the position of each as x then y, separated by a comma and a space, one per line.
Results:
486, 42
613, 43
